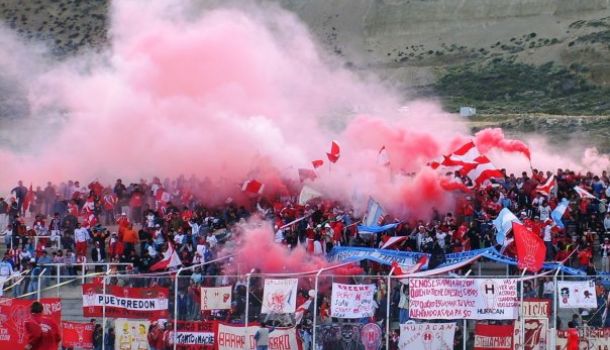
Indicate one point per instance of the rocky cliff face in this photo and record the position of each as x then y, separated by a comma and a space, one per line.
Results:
409, 40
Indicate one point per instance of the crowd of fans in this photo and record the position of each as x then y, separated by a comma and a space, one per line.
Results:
135, 224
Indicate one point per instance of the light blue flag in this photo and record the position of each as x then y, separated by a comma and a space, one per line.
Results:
504, 223
558, 212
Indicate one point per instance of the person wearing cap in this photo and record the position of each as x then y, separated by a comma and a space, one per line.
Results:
42, 333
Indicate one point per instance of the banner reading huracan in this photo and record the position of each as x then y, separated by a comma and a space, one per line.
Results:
449, 299
125, 302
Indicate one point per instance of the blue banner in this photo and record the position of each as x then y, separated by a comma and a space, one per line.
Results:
375, 229
387, 256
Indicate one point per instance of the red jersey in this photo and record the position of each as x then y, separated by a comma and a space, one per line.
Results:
573, 339
42, 333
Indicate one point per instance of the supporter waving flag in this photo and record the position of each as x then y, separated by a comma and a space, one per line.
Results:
530, 248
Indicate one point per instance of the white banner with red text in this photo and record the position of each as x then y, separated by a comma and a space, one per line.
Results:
426, 336
352, 300
231, 337
465, 298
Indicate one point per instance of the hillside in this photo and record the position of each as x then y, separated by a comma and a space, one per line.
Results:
502, 57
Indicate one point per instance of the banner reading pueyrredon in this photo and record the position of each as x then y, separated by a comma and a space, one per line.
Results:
450, 299
125, 302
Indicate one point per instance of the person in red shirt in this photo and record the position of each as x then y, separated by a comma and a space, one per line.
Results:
573, 337
42, 332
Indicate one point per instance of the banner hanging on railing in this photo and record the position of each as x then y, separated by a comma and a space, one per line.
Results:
215, 298
352, 300
15, 313
280, 296
131, 334
577, 294
231, 337
493, 337
150, 303
77, 335
467, 298
426, 336
195, 335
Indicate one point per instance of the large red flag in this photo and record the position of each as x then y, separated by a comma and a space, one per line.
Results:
335, 152
530, 248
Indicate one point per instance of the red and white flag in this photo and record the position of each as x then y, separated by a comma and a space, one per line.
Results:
383, 158
481, 170
253, 186
335, 152
317, 163
530, 248
547, 187
300, 311
582, 193
170, 259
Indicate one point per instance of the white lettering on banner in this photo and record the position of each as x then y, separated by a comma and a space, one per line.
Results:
126, 303
195, 338
463, 298
493, 342
426, 336
242, 338
577, 294
352, 301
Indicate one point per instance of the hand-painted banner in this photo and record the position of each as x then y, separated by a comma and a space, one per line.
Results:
77, 335
450, 299
125, 302
534, 308
280, 296
216, 298
493, 337
13, 315
230, 337
131, 334
352, 300
536, 331
195, 335
577, 294
590, 338
426, 336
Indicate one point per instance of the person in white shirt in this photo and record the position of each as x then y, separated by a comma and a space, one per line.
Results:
81, 236
8, 235
607, 222
211, 240
545, 211
548, 289
179, 238
605, 253
548, 239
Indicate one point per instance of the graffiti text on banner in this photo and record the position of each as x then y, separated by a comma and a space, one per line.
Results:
195, 335
437, 336
352, 301
480, 299
230, 337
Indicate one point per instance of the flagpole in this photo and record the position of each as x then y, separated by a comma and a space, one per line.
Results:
521, 306
387, 315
